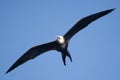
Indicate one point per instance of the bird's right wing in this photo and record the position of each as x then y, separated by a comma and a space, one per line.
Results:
32, 53
84, 22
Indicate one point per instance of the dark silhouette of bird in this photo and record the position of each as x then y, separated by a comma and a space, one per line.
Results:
61, 44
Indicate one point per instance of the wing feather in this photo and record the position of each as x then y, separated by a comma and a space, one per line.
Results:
84, 22
32, 53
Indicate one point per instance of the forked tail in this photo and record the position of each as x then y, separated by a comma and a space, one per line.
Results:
64, 54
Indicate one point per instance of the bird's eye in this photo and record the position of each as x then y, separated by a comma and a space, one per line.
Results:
58, 37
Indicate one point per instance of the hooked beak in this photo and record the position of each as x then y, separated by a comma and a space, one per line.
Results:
57, 37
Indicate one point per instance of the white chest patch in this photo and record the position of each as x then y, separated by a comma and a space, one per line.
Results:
60, 39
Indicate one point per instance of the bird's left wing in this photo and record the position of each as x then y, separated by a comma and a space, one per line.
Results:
32, 53
84, 22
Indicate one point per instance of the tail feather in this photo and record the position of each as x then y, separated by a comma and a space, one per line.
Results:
63, 58
64, 54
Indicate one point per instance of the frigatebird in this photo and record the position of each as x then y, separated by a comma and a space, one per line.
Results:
61, 43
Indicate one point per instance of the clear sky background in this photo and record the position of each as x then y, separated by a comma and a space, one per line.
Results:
95, 50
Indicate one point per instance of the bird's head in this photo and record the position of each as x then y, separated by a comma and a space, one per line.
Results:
60, 39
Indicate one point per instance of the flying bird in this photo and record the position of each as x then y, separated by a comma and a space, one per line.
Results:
61, 43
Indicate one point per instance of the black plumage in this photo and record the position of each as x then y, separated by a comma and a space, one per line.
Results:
61, 44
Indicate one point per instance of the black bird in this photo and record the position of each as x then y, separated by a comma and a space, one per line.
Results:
61, 44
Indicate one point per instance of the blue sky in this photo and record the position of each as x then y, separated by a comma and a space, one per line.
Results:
95, 50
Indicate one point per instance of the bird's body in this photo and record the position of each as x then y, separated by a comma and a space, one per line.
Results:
61, 44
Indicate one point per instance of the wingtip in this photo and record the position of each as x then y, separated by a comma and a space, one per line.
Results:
108, 11
7, 72
112, 9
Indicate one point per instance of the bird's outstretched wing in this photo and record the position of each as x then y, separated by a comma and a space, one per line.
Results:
32, 53
84, 22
